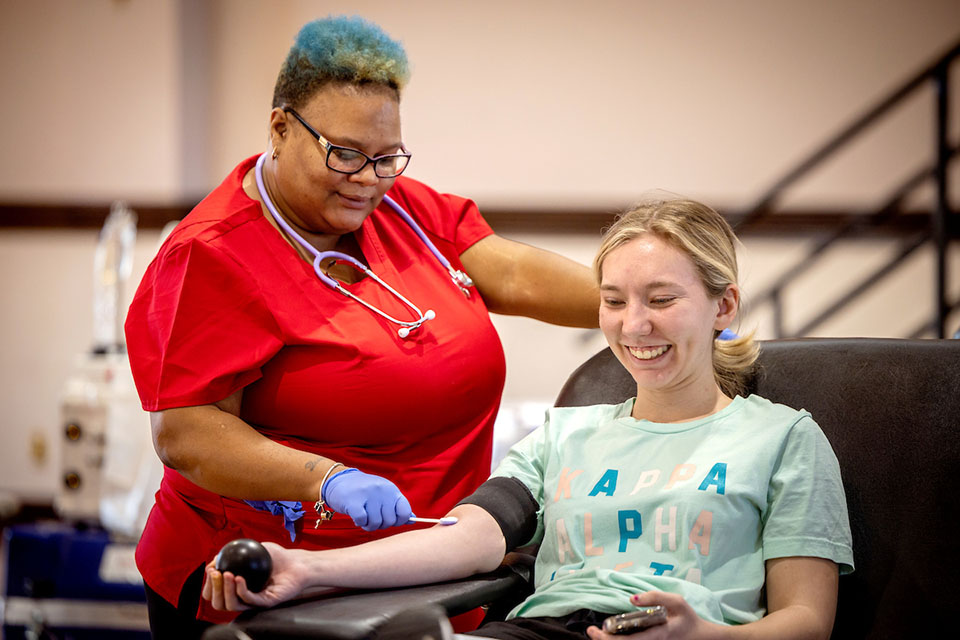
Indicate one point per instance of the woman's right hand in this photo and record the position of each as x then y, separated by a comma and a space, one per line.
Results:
682, 621
371, 501
229, 592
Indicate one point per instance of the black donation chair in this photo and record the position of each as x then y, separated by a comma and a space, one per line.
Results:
891, 409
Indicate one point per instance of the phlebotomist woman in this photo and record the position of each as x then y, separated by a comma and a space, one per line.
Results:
317, 329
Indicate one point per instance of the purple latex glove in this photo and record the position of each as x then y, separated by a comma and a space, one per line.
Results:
371, 501
291, 512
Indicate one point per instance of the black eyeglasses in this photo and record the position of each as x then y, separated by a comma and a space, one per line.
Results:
349, 161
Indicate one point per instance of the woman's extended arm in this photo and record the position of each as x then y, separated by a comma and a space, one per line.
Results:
473, 545
520, 280
801, 605
213, 448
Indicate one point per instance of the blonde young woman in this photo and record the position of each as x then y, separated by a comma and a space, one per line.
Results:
727, 510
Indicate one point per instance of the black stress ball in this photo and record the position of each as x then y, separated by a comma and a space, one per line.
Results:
247, 558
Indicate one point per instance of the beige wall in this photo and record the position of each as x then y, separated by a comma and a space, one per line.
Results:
714, 99
89, 100
541, 104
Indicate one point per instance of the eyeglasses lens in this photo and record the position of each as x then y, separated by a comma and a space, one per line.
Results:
351, 161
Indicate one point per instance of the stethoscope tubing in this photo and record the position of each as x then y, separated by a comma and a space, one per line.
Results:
406, 326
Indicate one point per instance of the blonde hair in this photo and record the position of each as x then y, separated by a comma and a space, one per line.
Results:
705, 236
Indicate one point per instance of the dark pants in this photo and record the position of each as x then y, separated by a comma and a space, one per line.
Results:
177, 623
569, 627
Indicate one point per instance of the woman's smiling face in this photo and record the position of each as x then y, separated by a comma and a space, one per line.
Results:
657, 316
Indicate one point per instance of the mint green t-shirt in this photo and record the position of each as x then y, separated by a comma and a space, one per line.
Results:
692, 508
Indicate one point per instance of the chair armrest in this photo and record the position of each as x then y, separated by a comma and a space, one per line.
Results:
357, 614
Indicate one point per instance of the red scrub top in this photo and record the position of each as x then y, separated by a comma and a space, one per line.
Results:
229, 304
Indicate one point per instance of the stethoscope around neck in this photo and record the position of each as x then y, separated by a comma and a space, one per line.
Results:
461, 279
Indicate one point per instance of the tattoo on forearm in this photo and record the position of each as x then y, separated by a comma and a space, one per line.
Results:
310, 465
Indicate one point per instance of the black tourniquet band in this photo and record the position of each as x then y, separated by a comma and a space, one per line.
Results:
511, 504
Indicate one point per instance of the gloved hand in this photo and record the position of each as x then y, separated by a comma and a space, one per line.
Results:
371, 501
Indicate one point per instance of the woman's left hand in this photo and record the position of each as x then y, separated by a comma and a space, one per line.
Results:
229, 592
372, 502
682, 620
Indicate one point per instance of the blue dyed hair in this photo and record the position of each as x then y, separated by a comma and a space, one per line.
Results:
339, 49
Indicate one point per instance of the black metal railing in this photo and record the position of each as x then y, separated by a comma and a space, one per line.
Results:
943, 224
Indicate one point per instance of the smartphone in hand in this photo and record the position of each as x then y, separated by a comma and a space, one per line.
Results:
642, 618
